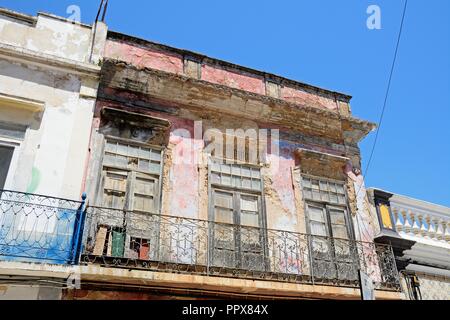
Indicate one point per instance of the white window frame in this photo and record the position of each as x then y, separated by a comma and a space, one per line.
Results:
16, 145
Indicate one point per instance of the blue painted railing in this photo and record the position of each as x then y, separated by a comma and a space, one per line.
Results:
36, 228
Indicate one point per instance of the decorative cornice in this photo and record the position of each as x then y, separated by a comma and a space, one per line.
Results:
17, 54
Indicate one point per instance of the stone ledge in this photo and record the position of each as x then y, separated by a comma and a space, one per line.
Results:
97, 274
15, 53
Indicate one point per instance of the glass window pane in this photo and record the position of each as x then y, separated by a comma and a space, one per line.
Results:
154, 167
223, 215
250, 219
156, 155
145, 187
236, 181
332, 187
236, 170
142, 203
144, 165
144, 153
318, 228
316, 214
256, 173
246, 183
249, 204
306, 183
109, 160
215, 166
6, 154
114, 200
122, 149
226, 180
225, 168
307, 193
325, 196
116, 182
121, 161
215, 177
315, 185
256, 185
111, 147
337, 217
224, 200
316, 195
333, 198
133, 151
339, 231
246, 172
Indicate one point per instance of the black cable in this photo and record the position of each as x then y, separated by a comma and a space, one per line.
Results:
380, 122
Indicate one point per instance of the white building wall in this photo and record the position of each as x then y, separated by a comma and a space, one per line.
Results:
48, 84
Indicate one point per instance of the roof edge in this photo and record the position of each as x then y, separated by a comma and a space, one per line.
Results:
124, 37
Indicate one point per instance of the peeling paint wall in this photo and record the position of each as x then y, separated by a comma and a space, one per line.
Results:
149, 55
48, 35
144, 57
233, 78
153, 80
304, 98
58, 97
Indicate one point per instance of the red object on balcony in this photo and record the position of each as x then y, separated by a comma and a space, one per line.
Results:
144, 250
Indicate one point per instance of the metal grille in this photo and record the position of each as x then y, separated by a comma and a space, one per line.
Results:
36, 228
126, 239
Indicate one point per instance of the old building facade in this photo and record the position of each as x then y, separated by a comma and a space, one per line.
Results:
204, 179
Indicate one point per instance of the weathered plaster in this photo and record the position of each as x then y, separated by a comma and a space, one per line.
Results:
39, 61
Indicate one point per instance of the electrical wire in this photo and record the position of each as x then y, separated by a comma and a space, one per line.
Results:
380, 122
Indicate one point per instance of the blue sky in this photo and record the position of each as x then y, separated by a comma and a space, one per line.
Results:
324, 43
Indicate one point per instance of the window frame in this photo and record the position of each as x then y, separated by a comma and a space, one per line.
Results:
328, 206
132, 174
16, 145
212, 187
331, 256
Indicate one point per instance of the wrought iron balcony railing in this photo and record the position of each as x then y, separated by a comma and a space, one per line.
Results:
42, 229
35, 228
154, 242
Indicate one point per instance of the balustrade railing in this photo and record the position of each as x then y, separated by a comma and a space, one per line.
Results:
35, 228
42, 229
421, 224
168, 243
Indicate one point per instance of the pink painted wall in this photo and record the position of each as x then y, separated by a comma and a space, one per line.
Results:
144, 57
305, 98
281, 173
238, 80
184, 175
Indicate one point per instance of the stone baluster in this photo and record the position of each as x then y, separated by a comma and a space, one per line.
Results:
398, 220
431, 228
415, 218
407, 221
439, 229
447, 231
425, 226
